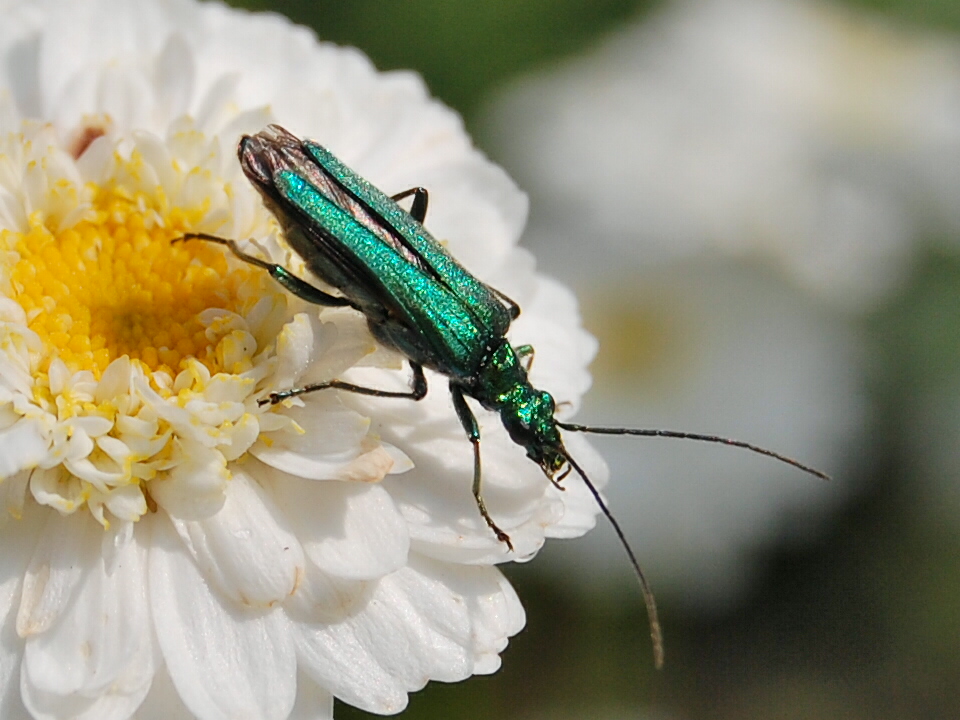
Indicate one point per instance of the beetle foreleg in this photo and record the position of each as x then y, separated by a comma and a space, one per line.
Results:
525, 352
302, 289
469, 423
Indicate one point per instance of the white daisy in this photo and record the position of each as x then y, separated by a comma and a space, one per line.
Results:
727, 349
171, 547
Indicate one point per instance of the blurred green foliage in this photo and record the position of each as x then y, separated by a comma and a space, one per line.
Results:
929, 13
461, 48
464, 48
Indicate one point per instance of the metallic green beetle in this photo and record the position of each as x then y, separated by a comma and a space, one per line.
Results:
420, 301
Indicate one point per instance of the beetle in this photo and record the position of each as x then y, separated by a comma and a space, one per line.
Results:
419, 301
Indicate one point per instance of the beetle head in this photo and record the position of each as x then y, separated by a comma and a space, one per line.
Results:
528, 418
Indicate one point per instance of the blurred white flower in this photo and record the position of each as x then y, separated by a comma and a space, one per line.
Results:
814, 137
723, 349
688, 153
170, 547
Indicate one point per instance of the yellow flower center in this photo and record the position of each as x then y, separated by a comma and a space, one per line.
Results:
115, 284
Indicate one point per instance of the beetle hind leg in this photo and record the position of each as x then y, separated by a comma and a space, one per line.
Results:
418, 210
418, 389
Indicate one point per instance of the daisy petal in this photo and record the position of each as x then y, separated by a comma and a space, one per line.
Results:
245, 550
329, 440
22, 446
195, 487
224, 661
55, 570
351, 531
322, 598
18, 540
102, 670
421, 623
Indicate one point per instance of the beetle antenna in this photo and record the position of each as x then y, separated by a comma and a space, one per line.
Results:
656, 634
694, 436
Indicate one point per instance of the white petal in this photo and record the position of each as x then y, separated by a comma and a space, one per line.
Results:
321, 598
301, 340
8, 416
436, 499
13, 492
57, 488
242, 435
194, 488
348, 530
180, 420
98, 661
86, 470
226, 662
17, 540
446, 593
77, 446
401, 463
115, 380
330, 440
55, 570
501, 616
92, 425
123, 92
174, 75
22, 445
245, 550
353, 346
59, 376
127, 503
340, 658
114, 541
427, 621
11, 311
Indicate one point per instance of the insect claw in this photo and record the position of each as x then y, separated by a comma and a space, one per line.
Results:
502, 537
557, 480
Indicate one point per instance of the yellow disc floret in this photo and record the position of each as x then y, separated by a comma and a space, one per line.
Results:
133, 360
116, 284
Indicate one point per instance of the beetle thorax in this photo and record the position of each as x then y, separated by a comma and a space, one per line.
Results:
526, 412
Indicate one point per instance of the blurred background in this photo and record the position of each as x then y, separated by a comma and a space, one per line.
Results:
758, 205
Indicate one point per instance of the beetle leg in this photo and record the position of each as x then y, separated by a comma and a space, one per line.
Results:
525, 352
418, 391
469, 423
300, 288
512, 305
418, 211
